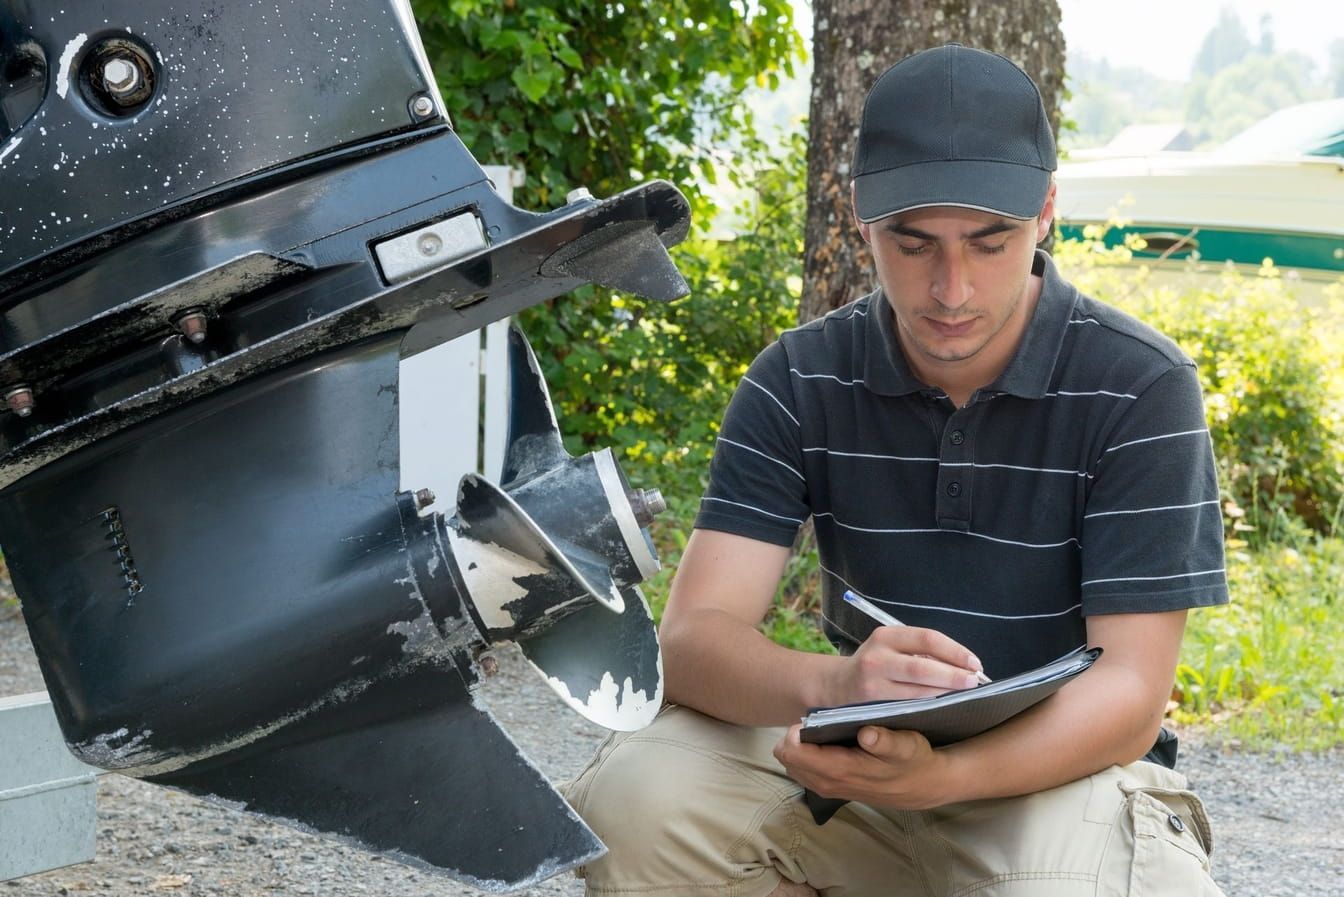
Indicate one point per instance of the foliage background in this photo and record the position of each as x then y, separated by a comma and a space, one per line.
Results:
579, 95
602, 95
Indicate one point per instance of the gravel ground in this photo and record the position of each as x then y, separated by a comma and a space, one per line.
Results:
1278, 817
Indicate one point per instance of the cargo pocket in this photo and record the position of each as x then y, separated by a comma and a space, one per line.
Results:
1172, 842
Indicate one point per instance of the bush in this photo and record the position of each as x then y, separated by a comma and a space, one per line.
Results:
1268, 363
653, 379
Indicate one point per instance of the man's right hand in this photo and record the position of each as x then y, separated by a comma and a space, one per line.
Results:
898, 662
716, 661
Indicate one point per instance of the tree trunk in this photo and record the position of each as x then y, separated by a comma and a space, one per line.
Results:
853, 42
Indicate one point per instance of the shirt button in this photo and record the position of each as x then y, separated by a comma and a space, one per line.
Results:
1176, 823
954, 489
958, 437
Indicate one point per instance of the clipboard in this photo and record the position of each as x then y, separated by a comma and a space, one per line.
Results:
944, 719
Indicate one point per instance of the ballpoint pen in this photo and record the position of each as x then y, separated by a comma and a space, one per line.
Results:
886, 619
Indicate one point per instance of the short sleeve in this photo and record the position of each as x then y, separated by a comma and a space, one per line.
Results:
756, 483
1152, 533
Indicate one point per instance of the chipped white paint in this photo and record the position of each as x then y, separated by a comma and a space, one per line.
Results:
67, 59
115, 750
623, 709
10, 147
490, 572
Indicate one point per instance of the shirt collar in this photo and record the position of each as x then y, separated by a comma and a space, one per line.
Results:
886, 371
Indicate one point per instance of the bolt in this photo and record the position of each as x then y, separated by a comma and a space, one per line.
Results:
429, 244
647, 504
578, 194
423, 499
20, 400
192, 325
489, 664
120, 76
422, 106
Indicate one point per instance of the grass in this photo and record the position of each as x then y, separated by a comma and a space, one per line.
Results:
1266, 669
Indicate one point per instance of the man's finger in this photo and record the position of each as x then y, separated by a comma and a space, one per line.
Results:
890, 745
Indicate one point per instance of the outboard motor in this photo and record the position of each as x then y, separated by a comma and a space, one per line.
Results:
222, 227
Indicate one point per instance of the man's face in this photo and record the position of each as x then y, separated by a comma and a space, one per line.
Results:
955, 279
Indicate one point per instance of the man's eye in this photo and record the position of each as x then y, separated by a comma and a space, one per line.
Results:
992, 250
912, 250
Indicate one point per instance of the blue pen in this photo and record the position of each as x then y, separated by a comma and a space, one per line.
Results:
886, 619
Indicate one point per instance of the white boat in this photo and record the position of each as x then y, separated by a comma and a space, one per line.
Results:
1275, 191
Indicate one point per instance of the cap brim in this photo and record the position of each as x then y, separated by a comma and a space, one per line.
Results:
1001, 188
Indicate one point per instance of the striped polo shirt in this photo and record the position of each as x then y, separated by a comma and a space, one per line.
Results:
1080, 482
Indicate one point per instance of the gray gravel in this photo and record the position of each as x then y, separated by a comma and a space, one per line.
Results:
1278, 817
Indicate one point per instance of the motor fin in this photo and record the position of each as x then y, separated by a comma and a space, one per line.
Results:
626, 255
443, 787
606, 667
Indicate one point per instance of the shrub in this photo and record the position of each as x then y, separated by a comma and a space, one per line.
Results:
1268, 363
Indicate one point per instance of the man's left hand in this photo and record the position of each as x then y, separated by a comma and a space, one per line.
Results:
898, 770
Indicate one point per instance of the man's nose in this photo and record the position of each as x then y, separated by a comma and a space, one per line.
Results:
951, 282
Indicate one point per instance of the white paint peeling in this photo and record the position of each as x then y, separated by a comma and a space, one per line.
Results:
115, 750
625, 709
490, 572
67, 59
10, 147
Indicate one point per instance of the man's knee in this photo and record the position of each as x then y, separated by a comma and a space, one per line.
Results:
676, 808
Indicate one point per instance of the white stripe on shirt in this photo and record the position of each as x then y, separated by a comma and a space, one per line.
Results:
772, 396
1071, 472
1095, 392
916, 458
754, 451
1152, 578
867, 455
1155, 438
1212, 501
753, 508
823, 377
950, 610
921, 530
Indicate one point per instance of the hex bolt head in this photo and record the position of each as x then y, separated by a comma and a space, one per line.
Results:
647, 504
193, 324
20, 400
422, 106
578, 194
120, 76
423, 499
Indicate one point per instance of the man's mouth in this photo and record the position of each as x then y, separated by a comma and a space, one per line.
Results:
951, 328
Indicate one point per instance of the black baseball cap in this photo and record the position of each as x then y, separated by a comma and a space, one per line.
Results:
953, 126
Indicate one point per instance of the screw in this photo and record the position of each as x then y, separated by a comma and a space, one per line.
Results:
429, 244
423, 499
192, 325
578, 194
422, 106
647, 504
20, 400
120, 76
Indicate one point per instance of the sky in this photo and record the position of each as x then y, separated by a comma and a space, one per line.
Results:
1163, 36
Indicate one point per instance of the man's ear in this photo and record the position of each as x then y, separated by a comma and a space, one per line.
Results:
1047, 218
864, 229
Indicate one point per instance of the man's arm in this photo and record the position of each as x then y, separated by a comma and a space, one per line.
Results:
716, 660
1109, 715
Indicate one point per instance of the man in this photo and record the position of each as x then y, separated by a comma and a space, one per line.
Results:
1010, 468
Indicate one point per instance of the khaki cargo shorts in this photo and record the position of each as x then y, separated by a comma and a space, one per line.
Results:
692, 805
